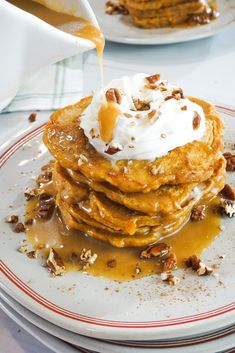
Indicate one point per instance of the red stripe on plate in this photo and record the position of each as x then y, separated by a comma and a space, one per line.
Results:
100, 322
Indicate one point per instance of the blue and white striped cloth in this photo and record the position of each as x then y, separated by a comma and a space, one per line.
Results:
51, 88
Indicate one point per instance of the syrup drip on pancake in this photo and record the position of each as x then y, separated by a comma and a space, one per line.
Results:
108, 116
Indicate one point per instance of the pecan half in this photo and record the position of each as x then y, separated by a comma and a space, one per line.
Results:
159, 250
113, 95
230, 161
228, 192
153, 78
196, 121
198, 213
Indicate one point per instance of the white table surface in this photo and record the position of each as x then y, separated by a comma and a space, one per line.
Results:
204, 68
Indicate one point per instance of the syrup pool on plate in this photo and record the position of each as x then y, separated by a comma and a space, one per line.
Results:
193, 238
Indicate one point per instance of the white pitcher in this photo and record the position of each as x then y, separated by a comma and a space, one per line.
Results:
27, 43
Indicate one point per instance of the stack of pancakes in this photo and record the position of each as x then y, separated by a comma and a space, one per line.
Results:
162, 13
131, 202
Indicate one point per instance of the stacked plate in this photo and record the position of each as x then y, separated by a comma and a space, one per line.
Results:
120, 29
81, 313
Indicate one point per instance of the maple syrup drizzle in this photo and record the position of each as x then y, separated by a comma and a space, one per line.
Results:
108, 115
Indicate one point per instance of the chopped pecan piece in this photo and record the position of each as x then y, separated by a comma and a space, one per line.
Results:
198, 213
157, 170
153, 78
153, 115
82, 159
93, 133
32, 117
141, 105
198, 266
55, 263
228, 192
115, 9
193, 262
29, 222
12, 219
203, 17
137, 269
44, 210
170, 263
112, 150
159, 250
45, 177
19, 228
112, 263
32, 254
228, 207
184, 107
23, 249
178, 94
196, 121
29, 194
230, 161
88, 258
168, 98
113, 95
169, 278
46, 206
204, 270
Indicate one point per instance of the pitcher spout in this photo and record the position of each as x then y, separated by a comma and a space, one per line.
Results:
28, 44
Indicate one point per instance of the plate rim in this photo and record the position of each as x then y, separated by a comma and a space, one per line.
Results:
207, 337
225, 310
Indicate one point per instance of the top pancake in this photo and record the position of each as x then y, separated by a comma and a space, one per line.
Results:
193, 162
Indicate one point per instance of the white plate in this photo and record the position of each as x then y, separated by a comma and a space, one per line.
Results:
127, 311
210, 343
121, 29
51, 342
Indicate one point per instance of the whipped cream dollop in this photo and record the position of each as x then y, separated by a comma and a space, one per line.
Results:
154, 117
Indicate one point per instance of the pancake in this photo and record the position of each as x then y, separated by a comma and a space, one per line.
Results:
93, 213
187, 164
125, 203
163, 13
